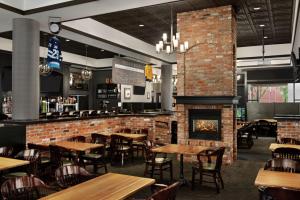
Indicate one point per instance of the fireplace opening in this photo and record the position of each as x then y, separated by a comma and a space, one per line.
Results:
205, 124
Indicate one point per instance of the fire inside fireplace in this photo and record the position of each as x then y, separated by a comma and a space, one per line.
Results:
205, 124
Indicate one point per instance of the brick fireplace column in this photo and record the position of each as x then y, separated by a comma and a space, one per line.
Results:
208, 69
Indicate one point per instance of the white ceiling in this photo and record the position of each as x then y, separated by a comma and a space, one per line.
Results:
31, 4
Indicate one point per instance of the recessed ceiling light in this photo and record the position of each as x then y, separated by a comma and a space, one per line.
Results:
141, 25
67, 40
102, 49
265, 37
262, 25
256, 8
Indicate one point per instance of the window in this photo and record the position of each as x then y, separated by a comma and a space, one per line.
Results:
268, 93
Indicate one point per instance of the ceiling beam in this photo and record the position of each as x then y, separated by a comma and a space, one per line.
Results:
249, 18
270, 13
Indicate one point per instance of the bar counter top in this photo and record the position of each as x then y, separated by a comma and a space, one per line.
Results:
62, 119
287, 117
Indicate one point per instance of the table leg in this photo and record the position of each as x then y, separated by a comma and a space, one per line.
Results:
181, 167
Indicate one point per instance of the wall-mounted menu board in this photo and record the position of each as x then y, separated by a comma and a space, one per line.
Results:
128, 72
107, 91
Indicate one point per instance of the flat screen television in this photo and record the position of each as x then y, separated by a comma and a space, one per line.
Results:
137, 90
52, 83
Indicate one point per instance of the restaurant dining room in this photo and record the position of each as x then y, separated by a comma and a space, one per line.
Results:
149, 100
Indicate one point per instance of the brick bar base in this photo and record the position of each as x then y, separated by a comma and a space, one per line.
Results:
43, 132
288, 128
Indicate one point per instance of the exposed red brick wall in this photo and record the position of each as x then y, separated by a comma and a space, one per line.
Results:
288, 129
41, 133
208, 69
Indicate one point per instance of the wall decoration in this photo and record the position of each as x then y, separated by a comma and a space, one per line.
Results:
127, 93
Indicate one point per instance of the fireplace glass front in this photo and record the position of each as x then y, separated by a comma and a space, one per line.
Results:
205, 124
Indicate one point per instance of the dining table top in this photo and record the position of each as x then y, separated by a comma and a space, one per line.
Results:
74, 146
134, 136
110, 186
180, 149
269, 178
8, 163
274, 146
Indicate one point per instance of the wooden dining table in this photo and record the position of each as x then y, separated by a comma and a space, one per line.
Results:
274, 146
8, 163
267, 178
181, 150
110, 186
77, 146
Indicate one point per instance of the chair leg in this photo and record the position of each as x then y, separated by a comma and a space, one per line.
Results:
122, 159
193, 179
216, 182
152, 171
146, 169
221, 179
95, 168
200, 178
171, 171
161, 172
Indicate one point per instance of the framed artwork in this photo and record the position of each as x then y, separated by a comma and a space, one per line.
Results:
127, 93
148, 95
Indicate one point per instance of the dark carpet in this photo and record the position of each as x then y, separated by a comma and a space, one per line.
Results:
238, 178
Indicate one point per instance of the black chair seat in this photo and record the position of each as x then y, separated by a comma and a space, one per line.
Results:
91, 156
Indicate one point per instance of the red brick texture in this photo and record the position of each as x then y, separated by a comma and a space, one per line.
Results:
208, 69
288, 129
41, 133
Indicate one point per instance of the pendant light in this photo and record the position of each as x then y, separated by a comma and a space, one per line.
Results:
44, 68
86, 74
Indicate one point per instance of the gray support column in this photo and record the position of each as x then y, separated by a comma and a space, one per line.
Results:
166, 88
25, 71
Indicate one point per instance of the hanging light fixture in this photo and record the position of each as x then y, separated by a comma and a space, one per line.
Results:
44, 68
173, 44
85, 73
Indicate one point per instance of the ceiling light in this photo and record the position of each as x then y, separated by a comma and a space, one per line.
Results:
102, 50
256, 8
141, 25
262, 25
67, 40
265, 37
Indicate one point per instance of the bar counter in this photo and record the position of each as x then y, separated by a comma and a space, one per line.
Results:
64, 119
46, 130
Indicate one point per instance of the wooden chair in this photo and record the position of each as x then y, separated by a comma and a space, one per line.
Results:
288, 141
31, 155
120, 146
154, 164
283, 165
277, 193
97, 156
244, 136
6, 151
283, 152
99, 138
138, 146
209, 168
24, 188
165, 192
70, 175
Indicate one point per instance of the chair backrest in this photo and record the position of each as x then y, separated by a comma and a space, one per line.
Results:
218, 153
31, 155
168, 193
288, 141
290, 153
126, 130
99, 138
6, 151
69, 175
93, 113
78, 138
281, 193
149, 155
85, 113
283, 165
23, 188
118, 142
